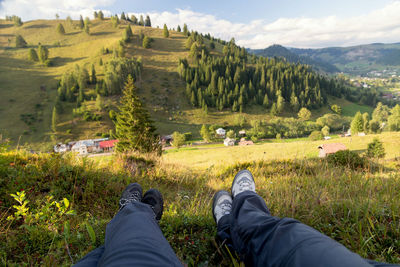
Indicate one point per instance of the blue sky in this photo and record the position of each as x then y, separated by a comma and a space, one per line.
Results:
253, 24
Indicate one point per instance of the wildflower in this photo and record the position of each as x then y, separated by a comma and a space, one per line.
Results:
12, 163
192, 242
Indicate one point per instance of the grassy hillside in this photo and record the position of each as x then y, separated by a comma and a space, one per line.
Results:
25, 108
358, 207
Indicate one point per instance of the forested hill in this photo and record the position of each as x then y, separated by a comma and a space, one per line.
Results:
61, 79
282, 52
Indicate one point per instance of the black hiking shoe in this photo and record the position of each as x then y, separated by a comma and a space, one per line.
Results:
132, 193
154, 198
222, 205
243, 181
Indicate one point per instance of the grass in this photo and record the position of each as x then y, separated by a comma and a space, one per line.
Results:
278, 150
358, 208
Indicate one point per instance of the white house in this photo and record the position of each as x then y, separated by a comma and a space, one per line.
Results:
229, 141
220, 132
60, 148
80, 147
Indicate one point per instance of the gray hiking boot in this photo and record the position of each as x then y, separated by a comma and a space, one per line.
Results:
132, 193
222, 205
154, 198
243, 181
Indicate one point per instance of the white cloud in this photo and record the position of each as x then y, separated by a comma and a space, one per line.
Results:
381, 25
47, 9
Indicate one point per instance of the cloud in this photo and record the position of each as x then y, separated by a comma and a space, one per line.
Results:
47, 9
381, 25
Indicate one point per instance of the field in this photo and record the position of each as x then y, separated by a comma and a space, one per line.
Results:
358, 207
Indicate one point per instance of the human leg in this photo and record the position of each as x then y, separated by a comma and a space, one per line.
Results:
133, 237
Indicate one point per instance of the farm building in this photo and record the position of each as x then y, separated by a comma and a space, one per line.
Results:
229, 141
244, 142
221, 132
108, 146
327, 149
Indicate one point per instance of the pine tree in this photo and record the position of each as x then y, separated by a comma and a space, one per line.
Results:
123, 17
166, 32
185, 29
99, 102
133, 127
178, 29
205, 133
147, 22
87, 29
81, 23
93, 79
357, 125
128, 34
43, 53
20, 41
101, 15
33, 55
134, 19
60, 29
141, 21
146, 42
95, 15
54, 120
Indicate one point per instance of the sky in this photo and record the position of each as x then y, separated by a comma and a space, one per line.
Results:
253, 24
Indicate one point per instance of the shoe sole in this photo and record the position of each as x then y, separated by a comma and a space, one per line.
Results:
237, 176
215, 198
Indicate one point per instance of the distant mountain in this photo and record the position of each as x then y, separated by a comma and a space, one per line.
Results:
282, 52
356, 60
359, 59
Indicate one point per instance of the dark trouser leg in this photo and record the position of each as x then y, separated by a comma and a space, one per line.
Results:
264, 240
133, 238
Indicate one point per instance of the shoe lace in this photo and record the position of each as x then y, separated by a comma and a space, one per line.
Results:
135, 196
244, 184
226, 208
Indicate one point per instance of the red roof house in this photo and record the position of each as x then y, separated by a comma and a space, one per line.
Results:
108, 145
327, 149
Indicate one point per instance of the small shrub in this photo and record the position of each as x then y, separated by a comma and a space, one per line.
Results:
178, 139
188, 136
316, 135
375, 149
347, 158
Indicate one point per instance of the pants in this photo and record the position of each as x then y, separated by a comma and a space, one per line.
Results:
264, 240
133, 238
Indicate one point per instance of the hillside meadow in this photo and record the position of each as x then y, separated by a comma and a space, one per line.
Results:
357, 207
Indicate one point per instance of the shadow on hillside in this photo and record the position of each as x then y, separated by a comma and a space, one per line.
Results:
3, 26
60, 61
7, 35
72, 33
100, 33
37, 26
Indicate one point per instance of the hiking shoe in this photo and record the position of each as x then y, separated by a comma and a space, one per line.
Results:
154, 198
222, 205
243, 181
132, 193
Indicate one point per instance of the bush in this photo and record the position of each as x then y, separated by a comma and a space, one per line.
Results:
188, 136
230, 134
333, 121
316, 135
375, 149
347, 158
178, 139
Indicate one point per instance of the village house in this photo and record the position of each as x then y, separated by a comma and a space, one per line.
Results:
108, 146
244, 142
229, 141
220, 132
60, 148
327, 149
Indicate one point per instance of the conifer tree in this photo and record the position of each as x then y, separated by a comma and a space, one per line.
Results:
20, 41
166, 32
185, 29
134, 19
357, 124
54, 120
141, 21
128, 34
81, 23
178, 29
133, 127
123, 17
146, 42
87, 29
93, 79
95, 15
43, 53
101, 15
60, 29
33, 55
147, 22
99, 102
